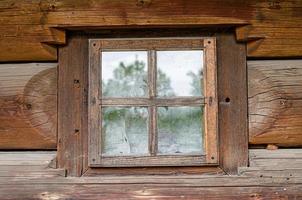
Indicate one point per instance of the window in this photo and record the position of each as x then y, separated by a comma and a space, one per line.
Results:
152, 102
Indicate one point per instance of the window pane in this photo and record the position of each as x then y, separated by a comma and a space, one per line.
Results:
179, 73
124, 131
124, 74
180, 130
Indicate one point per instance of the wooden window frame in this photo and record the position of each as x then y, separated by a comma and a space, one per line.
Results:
72, 149
151, 45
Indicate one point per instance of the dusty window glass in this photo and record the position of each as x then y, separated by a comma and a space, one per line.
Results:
180, 130
124, 74
124, 131
179, 73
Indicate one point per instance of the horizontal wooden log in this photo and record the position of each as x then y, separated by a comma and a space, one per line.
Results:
278, 23
83, 191
29, 42
28, 105
50, 184
275, 102
179, 180
281, 158
26, 158
270, 172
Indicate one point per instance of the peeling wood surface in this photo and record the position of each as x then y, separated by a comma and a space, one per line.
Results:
29, 27
275, 102
28, 94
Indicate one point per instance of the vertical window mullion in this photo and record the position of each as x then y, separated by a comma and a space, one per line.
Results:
152, 108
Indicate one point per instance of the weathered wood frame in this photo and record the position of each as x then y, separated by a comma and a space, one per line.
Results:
73, 106
209, 101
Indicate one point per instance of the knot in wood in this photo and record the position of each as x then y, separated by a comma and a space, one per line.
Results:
143, 3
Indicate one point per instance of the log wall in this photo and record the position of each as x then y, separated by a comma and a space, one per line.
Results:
28, 104
29, 29
275, 102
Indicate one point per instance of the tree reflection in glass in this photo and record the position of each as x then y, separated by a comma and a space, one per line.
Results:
124, 74
125, 129
184, 70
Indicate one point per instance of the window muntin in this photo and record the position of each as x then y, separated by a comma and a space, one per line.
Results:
163, 141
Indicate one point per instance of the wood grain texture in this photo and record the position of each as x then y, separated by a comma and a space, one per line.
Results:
281, 158
275, 102
232, 98
28, 106
72, 105
154, 171
30, 164
252, 183
276, 23
84, 191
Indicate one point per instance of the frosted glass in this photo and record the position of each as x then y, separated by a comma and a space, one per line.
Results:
180, 130
124, 74
124, 131
179, 73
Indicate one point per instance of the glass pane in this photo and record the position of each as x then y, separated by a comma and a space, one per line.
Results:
180, 130
124, 131
124, 74
179, 73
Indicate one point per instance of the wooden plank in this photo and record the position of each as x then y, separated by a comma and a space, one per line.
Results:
278, 154
153, 171
177, 101
285, 158
36, 173
275, 102
270, 172
26, 157
159, 160
72, 105
28, 104
23, 42
31, 164
178, 180
83, 191
278, 23
113, 13
276, 163
232, 98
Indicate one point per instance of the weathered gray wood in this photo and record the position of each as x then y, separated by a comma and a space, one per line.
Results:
270, 172
159, 160
275, 102
42, 158
29, 183
178, 180
232, 97
10, 172
72, 105
279, 153
83, 191
281, 158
